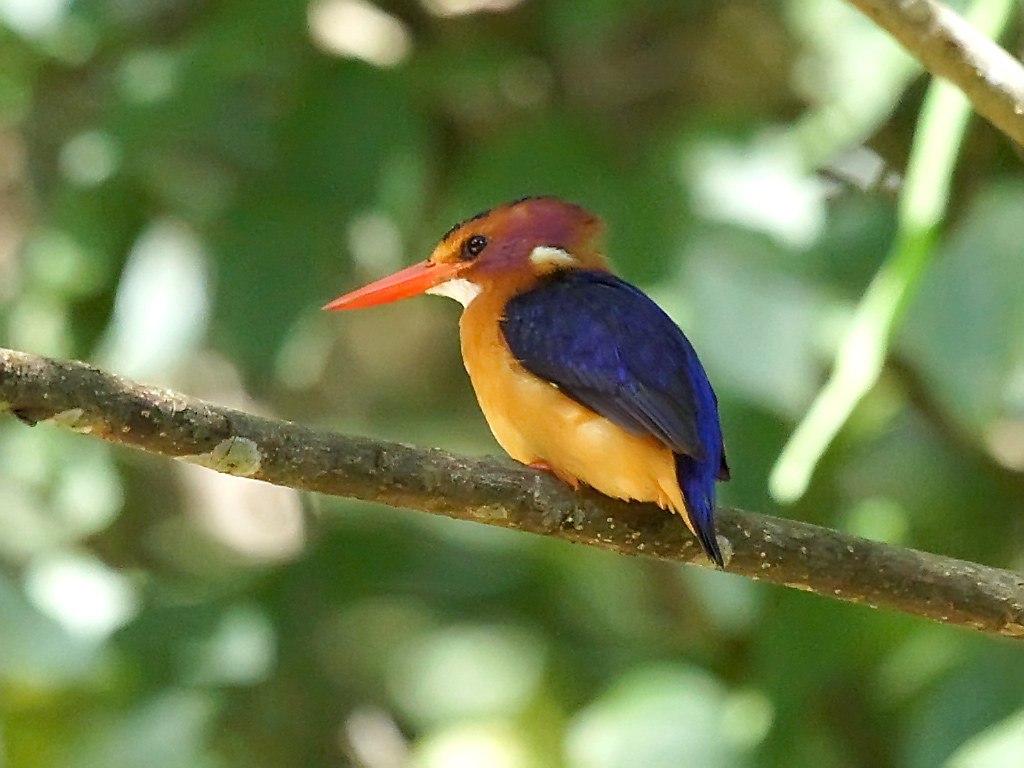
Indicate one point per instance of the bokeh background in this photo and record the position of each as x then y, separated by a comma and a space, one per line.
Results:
184, 183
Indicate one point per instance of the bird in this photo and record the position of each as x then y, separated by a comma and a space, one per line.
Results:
577, 371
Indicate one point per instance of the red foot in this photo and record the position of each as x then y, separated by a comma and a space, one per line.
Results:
543, 466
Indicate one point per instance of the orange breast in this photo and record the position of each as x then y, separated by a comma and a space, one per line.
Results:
534, 421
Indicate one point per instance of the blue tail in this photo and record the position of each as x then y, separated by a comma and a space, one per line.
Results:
697, 482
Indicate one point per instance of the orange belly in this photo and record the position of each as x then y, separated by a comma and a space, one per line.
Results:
534, 421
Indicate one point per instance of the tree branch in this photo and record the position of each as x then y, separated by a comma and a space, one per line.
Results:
501, 492
949, 47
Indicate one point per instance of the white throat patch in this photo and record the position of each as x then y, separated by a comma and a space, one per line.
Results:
546, 258
459, 289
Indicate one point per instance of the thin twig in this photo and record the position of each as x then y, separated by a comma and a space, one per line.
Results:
948, 46
500, 492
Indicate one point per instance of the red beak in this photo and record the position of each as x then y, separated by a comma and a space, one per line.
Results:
411, 281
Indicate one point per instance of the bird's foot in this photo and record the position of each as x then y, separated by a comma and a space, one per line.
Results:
568, 479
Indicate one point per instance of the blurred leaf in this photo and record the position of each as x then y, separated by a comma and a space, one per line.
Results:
168, 731
466, 671
659, 716
1001, 744
162, 305
36, 653
964, 329
984, 689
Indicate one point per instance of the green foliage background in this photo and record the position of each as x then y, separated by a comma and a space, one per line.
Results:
184, 183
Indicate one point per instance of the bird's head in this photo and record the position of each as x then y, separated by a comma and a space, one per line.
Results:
507, 248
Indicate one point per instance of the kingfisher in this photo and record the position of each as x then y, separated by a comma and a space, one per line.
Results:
577, 372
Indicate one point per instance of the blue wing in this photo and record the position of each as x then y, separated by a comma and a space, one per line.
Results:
609, 347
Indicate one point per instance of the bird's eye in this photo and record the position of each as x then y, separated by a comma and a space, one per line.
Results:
473, 247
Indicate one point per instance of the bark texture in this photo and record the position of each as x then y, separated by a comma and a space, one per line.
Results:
497, 491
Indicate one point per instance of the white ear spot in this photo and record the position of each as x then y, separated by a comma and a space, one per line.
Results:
459, 289
546, 258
